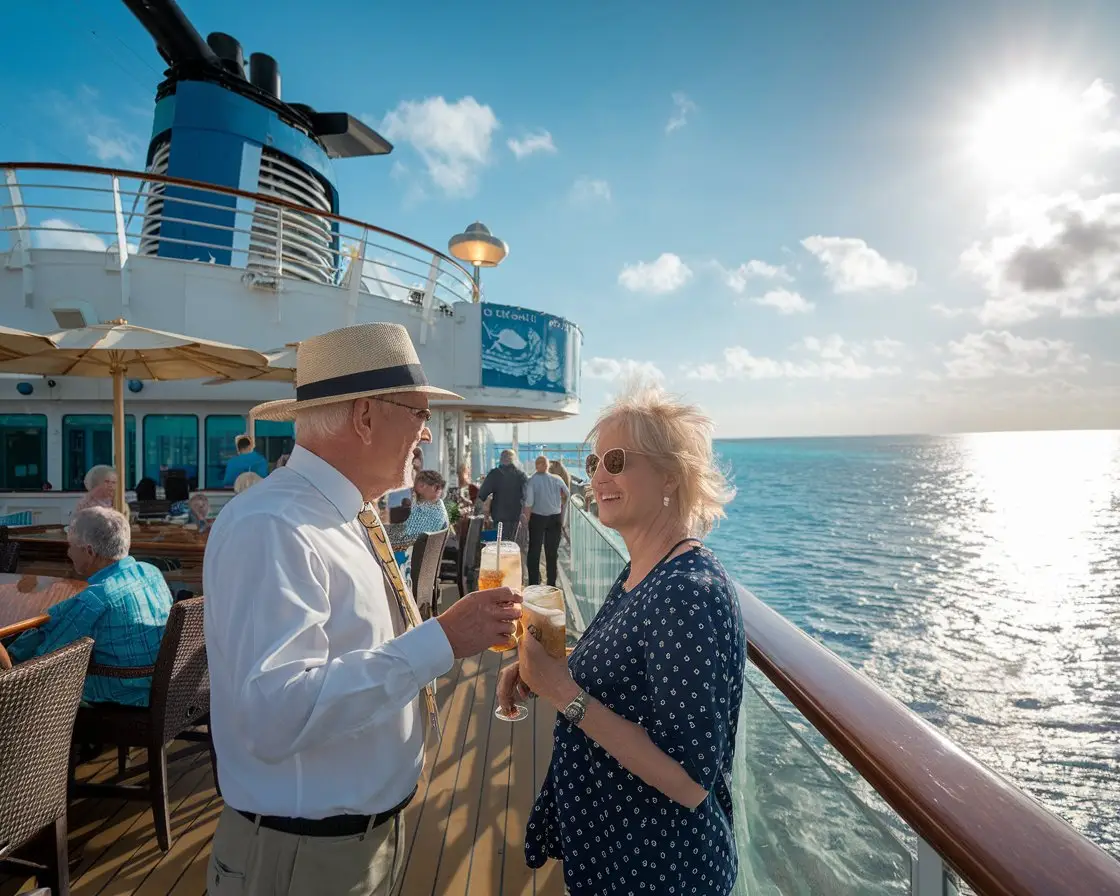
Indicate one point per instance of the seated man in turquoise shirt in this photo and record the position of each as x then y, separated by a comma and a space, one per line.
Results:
124, 609
247, 461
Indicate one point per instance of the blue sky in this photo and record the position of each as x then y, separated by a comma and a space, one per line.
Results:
819, 218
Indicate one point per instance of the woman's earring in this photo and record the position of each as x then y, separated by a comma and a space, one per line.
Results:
665, 500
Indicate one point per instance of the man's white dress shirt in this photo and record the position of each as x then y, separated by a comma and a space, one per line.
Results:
314, 684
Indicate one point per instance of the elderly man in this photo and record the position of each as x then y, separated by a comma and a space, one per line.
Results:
124, 609
505, 487
545, 498
319, 666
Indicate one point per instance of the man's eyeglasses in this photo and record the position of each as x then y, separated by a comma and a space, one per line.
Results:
421, 414
613, 461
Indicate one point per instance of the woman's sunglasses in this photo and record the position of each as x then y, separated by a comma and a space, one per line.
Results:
613, 461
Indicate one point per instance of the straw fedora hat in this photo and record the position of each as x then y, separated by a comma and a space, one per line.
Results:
354, 362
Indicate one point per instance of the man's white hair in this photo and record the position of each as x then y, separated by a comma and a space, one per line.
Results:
105, 531
324, 421
96, 475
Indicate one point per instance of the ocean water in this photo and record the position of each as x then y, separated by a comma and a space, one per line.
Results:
974, 577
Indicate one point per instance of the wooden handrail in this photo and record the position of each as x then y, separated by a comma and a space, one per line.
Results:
230, 191
996, 837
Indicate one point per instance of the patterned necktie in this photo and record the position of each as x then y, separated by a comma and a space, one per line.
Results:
379, 541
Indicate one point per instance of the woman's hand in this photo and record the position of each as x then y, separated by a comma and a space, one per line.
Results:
511, 688
545, 676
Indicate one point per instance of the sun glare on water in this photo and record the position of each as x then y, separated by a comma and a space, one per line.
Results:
1028, 132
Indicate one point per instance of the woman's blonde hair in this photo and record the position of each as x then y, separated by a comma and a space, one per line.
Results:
677, 437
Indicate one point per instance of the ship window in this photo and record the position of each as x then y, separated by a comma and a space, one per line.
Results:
87, 440
274, 438
222, 431
171, 443
23, 451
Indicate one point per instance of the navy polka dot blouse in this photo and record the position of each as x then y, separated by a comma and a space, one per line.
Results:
668, 655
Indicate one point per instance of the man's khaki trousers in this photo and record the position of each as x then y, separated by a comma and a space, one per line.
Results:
247, 860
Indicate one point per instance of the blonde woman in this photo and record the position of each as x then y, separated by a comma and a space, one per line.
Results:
638, 788
246, 480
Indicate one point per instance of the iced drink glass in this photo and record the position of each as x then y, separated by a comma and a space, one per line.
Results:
501, 566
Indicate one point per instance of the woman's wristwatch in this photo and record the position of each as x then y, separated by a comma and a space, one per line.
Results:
575, 710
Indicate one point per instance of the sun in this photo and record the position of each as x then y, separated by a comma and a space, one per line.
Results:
1028, 132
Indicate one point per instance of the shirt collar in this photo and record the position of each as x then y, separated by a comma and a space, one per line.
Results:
335, 487
109, 570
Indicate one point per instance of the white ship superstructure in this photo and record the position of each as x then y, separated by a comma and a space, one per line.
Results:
233, 233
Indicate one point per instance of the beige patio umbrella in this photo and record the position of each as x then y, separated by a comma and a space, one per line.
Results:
18, 343
281, 368
119, 350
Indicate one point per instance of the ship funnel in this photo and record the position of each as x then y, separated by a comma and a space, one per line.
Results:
264, 73
228, 50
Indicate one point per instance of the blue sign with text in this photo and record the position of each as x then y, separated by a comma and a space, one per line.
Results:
523, 349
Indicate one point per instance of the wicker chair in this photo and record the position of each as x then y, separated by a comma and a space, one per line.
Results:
178, 705
469, 548
9, 556
427, 554
38, 701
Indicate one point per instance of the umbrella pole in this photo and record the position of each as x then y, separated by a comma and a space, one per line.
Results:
120, 460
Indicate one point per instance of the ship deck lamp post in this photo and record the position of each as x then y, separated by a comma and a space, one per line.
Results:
480, 248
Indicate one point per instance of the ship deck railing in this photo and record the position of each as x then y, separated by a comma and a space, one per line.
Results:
123, 214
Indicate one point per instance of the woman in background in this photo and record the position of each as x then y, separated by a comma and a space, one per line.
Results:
199, 506
246, 480
638, 793
101, 486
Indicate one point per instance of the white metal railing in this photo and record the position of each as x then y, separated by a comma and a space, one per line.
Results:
122, 214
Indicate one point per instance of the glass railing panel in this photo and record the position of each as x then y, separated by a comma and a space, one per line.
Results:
594, 563
801, 830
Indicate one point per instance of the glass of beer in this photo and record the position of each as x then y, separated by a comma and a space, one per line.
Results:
543, 618
501, 566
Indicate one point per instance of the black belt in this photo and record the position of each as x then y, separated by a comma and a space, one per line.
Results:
332, 826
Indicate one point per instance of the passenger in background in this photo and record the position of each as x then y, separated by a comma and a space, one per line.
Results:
546, 500
247, 460
101, 485
504, 486
146, 489
650, 695
557, 468
199, 506
178, 492
246, 480
428, 511
124, 609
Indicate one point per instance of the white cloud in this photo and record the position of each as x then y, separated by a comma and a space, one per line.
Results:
108, 138
946, 311
588, 191
853, 266
453, 139
995, 353
785, 302
666, 274
1049, 255
541, 141
828, 358
60, 234
737, 278
614, 369
109, 148
682, 108
887, 348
